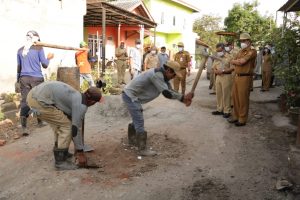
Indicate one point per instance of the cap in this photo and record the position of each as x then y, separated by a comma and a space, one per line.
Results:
83, 44
175, 66
180, 44
138, 41
245, 36
153, 48
94, 93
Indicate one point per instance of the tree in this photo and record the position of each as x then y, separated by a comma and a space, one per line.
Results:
205, 27
245, 18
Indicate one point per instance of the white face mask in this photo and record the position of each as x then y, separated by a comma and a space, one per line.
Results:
220, 54
138, 46
180, 49
244, 45
227, 49
153, 52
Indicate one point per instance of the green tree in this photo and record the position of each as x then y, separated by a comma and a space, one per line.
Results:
206, 27
245, 18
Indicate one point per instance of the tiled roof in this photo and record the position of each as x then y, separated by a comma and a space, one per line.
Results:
126, 4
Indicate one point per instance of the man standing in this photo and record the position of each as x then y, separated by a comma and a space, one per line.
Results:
163, 57
82, 61
63, 108
144, 89
223, 82
135, 59
183, 58
244, 67
30, 58
121, 54
151, 60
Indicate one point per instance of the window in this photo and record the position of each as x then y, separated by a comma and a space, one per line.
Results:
174, 21
162, 18
94, 44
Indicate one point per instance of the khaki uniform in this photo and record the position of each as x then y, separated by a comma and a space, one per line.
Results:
242, 83
183, 58
232, 54
267, 71
223, 84
151, 61
121, 62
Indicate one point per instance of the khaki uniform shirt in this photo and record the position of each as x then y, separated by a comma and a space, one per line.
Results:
121, 54
219, 65
267, 63
183, 58
151, 61
249, 54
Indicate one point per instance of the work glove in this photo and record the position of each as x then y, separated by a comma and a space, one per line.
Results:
81, 159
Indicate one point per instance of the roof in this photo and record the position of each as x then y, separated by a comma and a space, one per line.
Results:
132, 6
114, 15
190, 6
290, 6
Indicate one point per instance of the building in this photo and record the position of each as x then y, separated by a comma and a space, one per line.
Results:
56, 21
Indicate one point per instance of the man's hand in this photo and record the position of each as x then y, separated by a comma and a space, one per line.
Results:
80, 159
50, 56
187, 99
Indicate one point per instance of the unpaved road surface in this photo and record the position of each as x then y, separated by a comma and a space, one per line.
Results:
201, 156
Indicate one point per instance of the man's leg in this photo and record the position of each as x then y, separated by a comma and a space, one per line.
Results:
62, 132
183, 81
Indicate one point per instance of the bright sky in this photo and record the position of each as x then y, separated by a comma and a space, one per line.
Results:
221, 7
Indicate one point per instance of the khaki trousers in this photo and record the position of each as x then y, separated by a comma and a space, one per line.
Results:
180, 81
266, 78
240, 94
58, 121
121, 68
223, 92
212, 80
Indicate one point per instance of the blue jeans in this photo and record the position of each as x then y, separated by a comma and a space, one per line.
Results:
136, 111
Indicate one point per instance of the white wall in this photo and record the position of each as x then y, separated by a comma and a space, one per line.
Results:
57, 22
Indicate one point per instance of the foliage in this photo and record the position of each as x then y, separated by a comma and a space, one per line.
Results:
10, 97
245, 18
108, 80
205, 27
287, 60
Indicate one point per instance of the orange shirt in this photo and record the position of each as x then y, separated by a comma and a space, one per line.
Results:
82, 62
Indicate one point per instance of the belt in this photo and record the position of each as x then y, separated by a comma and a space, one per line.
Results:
226, 72
244, 74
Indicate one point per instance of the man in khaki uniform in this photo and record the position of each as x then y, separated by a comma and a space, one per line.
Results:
122, 57
244, 67
266, 69
183, 58
223, 81
151, 59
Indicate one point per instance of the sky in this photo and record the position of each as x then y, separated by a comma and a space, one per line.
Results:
221, 7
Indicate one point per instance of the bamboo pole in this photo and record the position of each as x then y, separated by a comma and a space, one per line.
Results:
55, 46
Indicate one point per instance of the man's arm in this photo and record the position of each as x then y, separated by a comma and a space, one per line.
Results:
241, 61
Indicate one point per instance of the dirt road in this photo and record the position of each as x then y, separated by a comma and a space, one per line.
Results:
201, 156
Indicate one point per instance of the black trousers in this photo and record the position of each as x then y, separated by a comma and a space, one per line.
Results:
27, 83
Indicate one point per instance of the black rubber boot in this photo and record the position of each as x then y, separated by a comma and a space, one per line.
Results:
69, 155
142, 145
25, 131
131, 135
61, 162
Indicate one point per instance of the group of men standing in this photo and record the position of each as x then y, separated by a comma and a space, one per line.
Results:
234, 76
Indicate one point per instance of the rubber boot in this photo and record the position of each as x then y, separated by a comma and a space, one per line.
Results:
25, 131
61, 162
69, 155
142, 145
40, 123
131, 135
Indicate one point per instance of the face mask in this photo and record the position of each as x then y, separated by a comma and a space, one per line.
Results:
227, 49
180, 49
122, 46
153, 52
220, 54
138, 46
244, 45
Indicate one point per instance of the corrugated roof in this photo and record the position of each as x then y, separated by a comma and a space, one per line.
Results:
126, 4
290, 6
